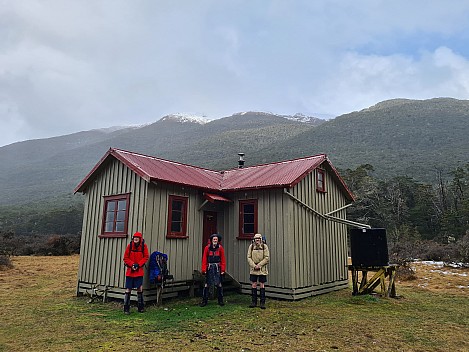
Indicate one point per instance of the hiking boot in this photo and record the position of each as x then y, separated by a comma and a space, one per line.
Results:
220, 296
253, 298
204, 297
262, 298
127, 303
140, 302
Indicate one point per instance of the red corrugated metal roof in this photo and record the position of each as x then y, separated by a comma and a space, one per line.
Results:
275, 175
281, 174
156, 169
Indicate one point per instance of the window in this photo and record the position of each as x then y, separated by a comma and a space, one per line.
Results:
247, 218
320, 180
177, 217
115, 216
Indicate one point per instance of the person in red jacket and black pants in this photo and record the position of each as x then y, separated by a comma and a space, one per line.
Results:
135, 257
213, 265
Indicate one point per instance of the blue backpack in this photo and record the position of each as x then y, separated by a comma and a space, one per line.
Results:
158, 268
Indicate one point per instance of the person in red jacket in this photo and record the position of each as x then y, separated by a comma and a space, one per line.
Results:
135, 256
213, 265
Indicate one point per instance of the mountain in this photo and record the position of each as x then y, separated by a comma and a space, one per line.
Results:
401, 137
49, 169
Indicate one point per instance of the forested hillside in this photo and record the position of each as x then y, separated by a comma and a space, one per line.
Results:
399, 137
406, 161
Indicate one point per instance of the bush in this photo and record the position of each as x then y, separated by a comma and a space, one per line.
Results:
5, 262
40, 244
405, 273
463, 248
406, 251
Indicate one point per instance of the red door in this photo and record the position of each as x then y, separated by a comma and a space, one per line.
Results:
210, 226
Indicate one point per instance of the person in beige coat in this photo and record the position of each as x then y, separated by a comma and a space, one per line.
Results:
258, 258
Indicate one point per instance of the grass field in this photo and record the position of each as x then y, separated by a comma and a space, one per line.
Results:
40, 312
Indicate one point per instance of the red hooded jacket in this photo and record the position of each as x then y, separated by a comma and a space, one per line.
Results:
213, 255
136, 255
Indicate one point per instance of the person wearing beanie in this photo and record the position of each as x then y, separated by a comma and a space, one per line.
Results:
258, 258
213, 267
135, 256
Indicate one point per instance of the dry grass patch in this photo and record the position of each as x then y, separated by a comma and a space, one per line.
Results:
40, 312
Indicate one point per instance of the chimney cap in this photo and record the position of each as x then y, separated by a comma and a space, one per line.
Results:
241, 160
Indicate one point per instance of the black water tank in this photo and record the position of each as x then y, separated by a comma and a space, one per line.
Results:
369, 247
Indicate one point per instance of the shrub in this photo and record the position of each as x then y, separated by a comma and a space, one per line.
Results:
5, 262
38, 244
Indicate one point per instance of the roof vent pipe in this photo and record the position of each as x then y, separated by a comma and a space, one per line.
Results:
241, 160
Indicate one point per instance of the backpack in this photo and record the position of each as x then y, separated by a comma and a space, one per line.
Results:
158, 268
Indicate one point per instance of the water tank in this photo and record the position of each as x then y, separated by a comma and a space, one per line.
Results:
369, 247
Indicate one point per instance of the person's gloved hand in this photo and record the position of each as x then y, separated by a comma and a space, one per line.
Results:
135, 266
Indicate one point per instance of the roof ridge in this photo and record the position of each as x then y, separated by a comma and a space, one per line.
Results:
164, 160
279, 162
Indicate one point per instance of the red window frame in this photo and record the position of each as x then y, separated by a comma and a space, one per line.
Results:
250, 216
177, 214
112, 214
321, 180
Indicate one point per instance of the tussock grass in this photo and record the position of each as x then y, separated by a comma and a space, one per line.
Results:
41, 312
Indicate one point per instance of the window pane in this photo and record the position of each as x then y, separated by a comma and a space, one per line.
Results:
109, 216
249, 218
111, 206
119, 226
248, 228
176, 227
122, 205
121, 216
249, 208
176, 216
177, 205
108, 227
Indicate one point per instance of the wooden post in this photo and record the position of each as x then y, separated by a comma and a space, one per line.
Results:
379, 278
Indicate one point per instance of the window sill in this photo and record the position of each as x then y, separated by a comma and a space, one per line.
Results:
113, 235
176, 236
249, 238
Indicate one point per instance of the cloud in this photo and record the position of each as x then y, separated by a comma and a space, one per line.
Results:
71, 66
362, 80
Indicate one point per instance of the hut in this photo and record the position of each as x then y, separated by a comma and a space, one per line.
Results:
299, 205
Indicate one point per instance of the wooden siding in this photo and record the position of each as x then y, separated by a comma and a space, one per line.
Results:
101, 258
184, 253
320, 245
273, 207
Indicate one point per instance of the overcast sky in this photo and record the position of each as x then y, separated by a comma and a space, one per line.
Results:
68, 66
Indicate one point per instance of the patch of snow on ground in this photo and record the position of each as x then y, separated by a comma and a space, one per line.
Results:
448, 273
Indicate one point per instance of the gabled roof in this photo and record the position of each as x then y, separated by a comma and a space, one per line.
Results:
274, 175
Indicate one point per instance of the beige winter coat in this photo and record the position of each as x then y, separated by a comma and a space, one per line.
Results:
258, 255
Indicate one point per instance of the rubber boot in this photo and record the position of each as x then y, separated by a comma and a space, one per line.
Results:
127, 303
204, 297
220, 296
262, 298
140, 302
253, 298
